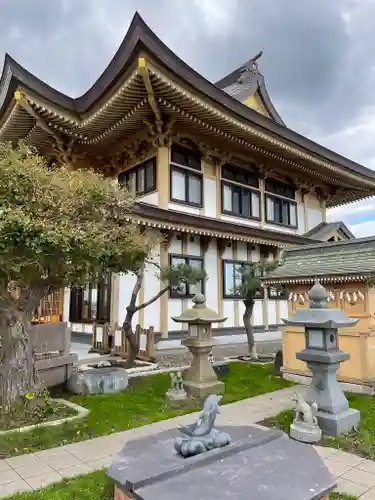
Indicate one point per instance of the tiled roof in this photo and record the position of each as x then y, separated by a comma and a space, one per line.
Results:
327, 261
323, 229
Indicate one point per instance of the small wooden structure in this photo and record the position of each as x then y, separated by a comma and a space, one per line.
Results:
50, 309
106, 340
347, 271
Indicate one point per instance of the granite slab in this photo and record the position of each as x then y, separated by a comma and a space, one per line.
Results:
259, 463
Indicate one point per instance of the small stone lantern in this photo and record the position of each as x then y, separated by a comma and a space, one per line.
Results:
323, 357
200, 379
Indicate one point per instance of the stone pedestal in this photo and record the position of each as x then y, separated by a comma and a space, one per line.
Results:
259, 464
323, 357
334, 415
200, 380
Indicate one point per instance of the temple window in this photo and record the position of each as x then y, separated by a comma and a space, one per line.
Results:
186, 176
184, 290
91, 303
281, 207
234, 277
140, 179
237, 198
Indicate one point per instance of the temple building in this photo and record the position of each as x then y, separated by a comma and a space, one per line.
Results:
214, 170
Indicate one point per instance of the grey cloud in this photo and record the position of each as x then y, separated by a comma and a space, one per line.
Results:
315, 61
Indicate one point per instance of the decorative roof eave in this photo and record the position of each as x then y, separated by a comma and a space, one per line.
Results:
340, 278
253, 131
180, 228
140, 39
152, 216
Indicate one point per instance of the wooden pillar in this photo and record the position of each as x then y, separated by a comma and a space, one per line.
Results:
162, 176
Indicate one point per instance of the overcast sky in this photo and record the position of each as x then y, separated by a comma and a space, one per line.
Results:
319, 61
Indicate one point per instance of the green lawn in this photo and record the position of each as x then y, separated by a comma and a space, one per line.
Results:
94, 486
362, 442
141, 404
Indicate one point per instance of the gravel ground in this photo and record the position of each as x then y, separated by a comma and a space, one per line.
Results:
181, 357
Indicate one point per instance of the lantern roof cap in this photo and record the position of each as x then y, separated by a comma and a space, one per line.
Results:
199, 313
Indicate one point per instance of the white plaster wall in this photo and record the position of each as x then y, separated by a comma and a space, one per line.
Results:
209, 197
152, 285
258, 312
314, 217
255, 253
271, 312
174, 309
241, 252
239, 220
228, 311
301, 218
194, 245
280, 229
175, 245
150, 198
126, 283
183, 208
284, 309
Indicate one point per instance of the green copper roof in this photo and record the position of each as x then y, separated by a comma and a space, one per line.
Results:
327, 261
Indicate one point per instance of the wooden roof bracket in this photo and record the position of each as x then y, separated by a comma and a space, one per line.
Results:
143, 69
65, 151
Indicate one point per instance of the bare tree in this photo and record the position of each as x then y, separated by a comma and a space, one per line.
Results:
249, 288
172, 276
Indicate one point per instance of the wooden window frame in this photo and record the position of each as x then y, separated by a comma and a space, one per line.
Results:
189, 170
136, 171
243, 188
187, 295
103, 309
233, 296
290, 202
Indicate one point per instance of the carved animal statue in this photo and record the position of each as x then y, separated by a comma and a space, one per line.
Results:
206, 419
202, 436
304, 412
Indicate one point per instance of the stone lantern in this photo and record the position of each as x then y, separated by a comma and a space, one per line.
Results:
200, 379
323, 357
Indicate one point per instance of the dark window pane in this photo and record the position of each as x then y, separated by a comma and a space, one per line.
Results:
150, 183
280, 188
182, 289
91, 302
246, 203
186, 157
143, 176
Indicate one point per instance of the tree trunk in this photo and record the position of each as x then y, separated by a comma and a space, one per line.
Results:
130, 311
249, 307
18, 374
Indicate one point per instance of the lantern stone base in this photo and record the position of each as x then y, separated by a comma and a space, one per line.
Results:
200, 380
200, 391
334, 425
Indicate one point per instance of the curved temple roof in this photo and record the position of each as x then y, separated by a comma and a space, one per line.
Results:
180, 92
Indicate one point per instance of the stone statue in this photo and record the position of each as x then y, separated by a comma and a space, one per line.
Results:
176, 392
305, 426
202, 435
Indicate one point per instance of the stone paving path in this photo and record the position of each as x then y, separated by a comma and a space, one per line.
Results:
356, 476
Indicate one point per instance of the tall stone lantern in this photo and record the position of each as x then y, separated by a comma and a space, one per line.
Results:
200, 379
323, 357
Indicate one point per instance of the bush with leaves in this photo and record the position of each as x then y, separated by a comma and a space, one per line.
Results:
57, 228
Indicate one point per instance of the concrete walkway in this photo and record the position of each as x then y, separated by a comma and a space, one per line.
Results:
37, 470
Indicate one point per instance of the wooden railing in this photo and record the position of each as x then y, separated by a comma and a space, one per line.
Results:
105, 341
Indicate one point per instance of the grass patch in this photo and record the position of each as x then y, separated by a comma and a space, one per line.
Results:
142, 403
361, 442
94, 486
20, 418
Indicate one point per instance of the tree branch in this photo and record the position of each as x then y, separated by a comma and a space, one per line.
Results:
151, 301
